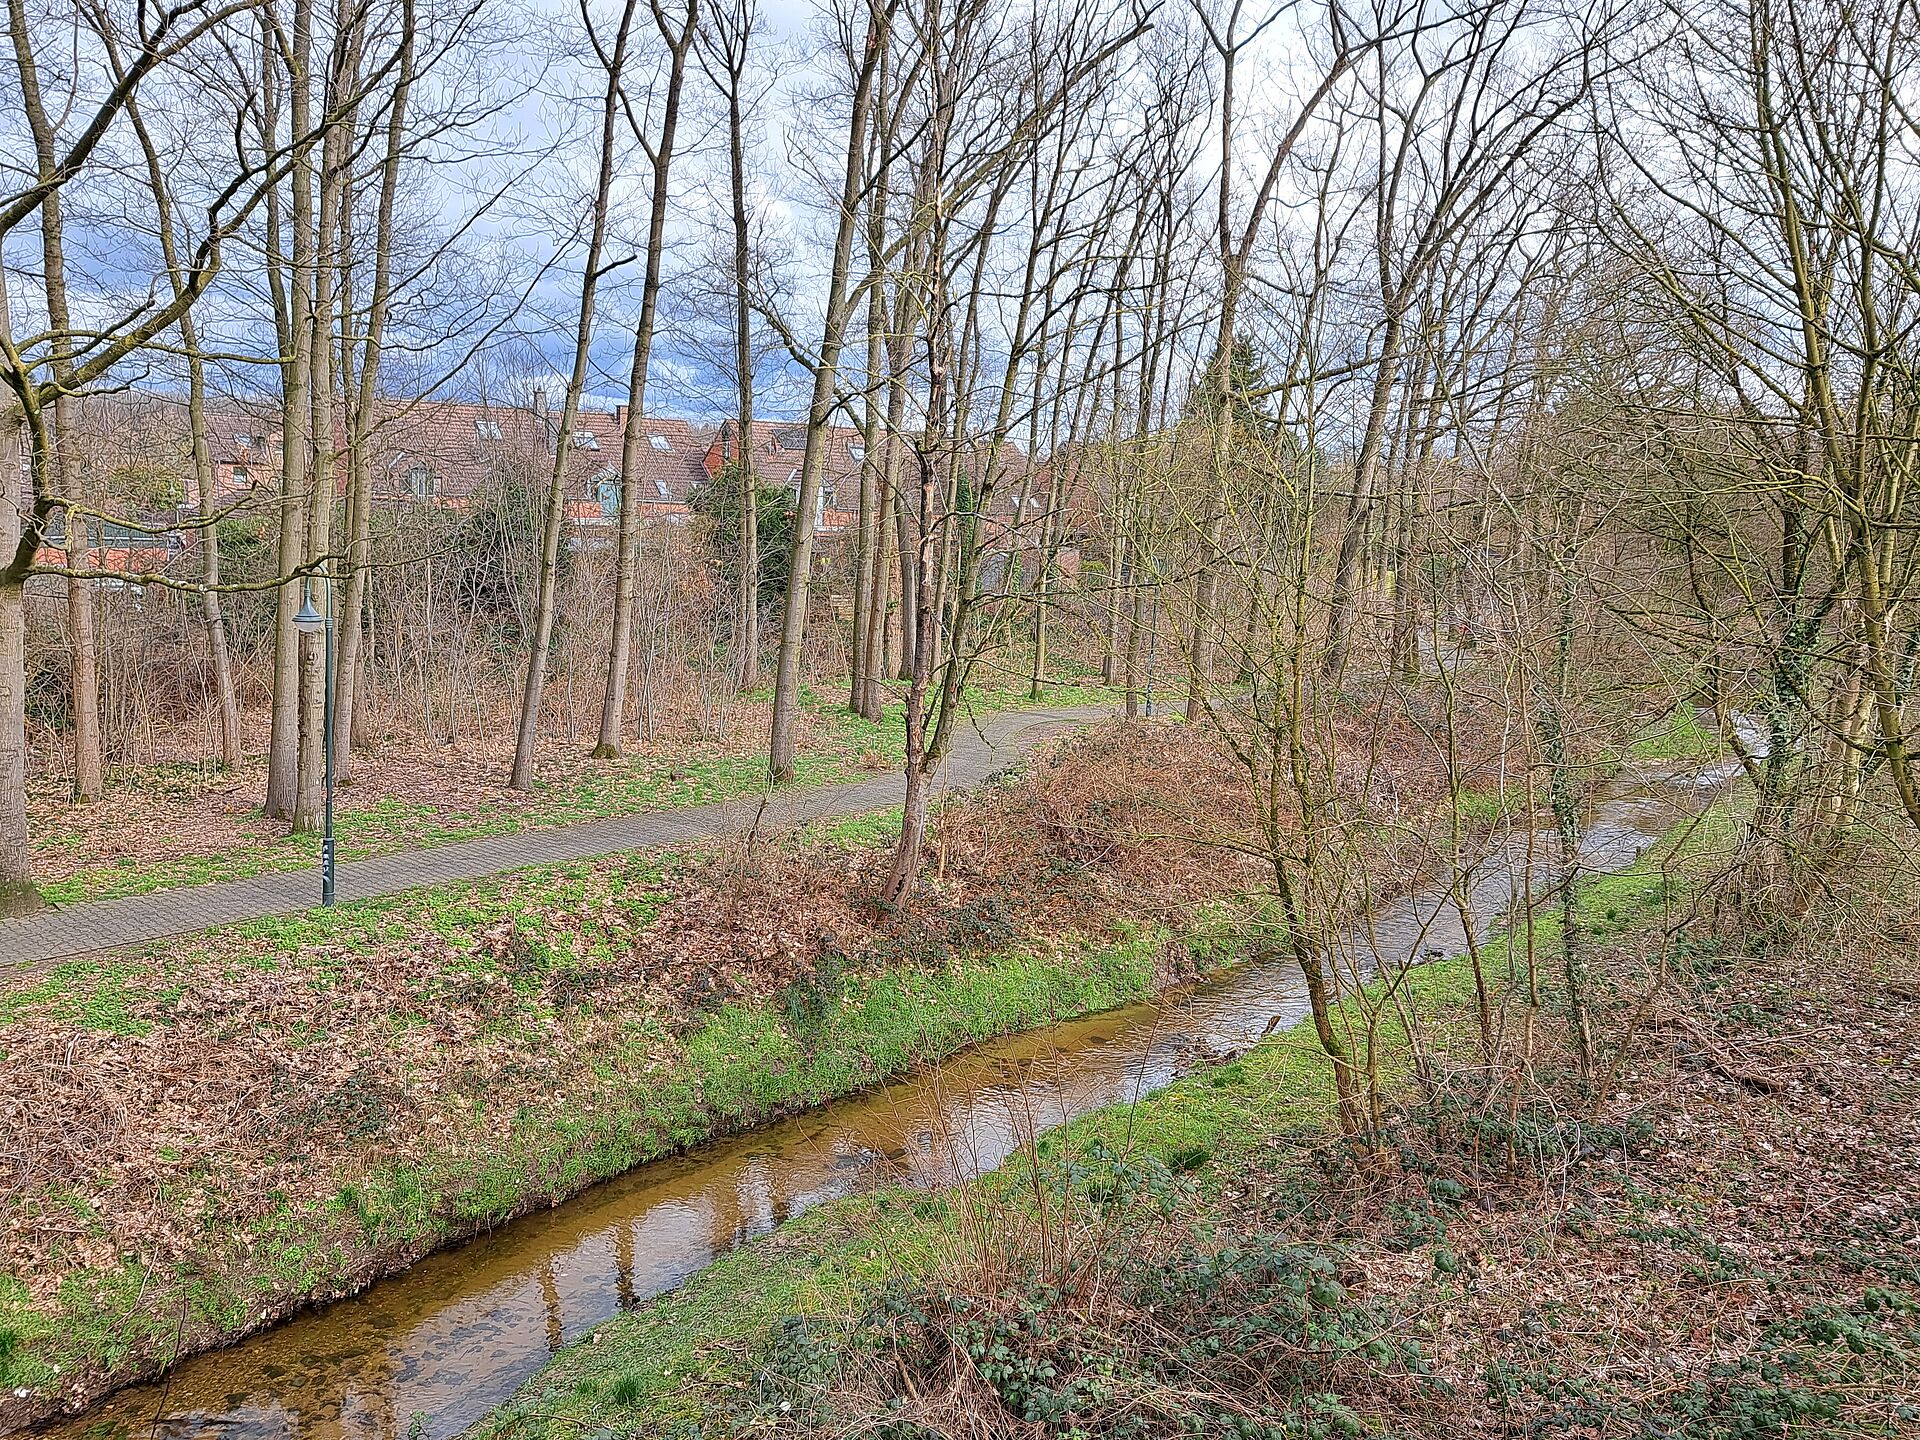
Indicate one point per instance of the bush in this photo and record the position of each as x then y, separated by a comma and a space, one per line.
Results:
1100, 1322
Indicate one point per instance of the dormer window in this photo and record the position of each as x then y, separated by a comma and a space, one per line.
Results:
585, 440
487, 429
660, 442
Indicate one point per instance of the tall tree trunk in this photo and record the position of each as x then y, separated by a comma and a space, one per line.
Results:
746, 623
206, 488
868, 551
89, 768
292, 285
554, 526
613, 703
83, 656
871, 548
1206, 590
906, 552
783, 739
314, 680
16, 851
1360, 503
362, 417
1233, 268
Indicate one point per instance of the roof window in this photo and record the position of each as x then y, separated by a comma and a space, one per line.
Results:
660, 442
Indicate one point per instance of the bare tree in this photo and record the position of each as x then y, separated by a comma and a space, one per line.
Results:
613, 61
677, 31
863, 44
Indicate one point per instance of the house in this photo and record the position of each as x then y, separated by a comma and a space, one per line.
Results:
1013, 521
776, 448
134, 453
445, 452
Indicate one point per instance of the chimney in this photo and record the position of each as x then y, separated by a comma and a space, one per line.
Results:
620, 418
540, 403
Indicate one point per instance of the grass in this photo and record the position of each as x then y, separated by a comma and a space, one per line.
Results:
1677, 735
649, 783
676, 1357
738, 1067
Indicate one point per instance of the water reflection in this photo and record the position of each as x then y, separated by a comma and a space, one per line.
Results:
432, 1350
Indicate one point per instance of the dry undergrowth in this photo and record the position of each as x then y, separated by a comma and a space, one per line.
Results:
150, 1100
1725, 1247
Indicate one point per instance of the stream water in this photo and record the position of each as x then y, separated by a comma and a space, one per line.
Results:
433, 1349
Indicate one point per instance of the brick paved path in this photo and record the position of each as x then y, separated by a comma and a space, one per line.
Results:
109, 924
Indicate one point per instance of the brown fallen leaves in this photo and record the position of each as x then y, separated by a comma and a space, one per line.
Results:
178, 809
1756, 1235
169, 1109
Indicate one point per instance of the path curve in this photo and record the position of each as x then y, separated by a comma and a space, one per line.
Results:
978, 753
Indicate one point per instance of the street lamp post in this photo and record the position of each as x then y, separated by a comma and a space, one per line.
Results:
308, 621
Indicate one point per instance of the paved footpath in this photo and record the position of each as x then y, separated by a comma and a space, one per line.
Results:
108, 924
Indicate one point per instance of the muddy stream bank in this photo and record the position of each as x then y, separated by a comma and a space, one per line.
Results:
427, 1352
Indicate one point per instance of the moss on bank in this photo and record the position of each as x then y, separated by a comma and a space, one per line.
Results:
743, 1065
670, 1366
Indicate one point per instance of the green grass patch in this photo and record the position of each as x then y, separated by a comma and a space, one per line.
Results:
849, 745
1677, 735
699, 1343
740, 1067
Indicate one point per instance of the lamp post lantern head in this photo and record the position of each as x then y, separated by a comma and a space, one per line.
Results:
307, 619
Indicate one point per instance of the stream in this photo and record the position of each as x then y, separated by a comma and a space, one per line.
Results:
427, 1352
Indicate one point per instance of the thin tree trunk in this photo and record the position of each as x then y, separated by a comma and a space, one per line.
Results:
16, 851
783, 739
613, 703
362, 418
293, 289
746, 624
314, 679
906, 552
89, 768
1360, 503
521, 777
83, 658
